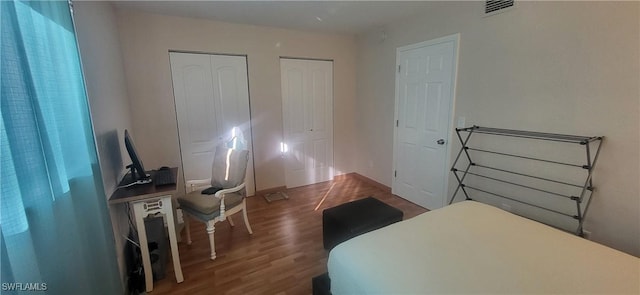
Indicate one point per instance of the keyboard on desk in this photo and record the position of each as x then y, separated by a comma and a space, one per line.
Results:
164, 177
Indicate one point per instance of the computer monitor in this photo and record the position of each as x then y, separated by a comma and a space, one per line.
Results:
137, 169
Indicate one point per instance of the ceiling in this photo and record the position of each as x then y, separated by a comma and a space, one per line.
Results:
350, 17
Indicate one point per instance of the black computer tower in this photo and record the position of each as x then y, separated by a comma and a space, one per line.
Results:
158, 245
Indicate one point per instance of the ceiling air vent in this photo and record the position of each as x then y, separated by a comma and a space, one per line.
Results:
492, 7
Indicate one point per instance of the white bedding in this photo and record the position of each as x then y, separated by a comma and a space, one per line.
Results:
471, 247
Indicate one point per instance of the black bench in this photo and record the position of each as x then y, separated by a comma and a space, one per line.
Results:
351, 219
321, 285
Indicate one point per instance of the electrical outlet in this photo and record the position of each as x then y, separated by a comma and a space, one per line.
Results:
505, 207
461, 122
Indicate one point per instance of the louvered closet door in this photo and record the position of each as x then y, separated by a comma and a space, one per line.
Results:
212, 98
307, 106
424, 95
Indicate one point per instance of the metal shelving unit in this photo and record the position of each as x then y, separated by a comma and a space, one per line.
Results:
586, 188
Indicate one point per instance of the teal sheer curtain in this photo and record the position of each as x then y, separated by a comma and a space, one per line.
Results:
56, 232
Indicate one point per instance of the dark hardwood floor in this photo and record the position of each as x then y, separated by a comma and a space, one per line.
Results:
285, 250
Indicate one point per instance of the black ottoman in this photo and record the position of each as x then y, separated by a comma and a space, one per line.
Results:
321, 285
351, 219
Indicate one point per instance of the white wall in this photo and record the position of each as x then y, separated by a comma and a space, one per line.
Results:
560, 67
147, 39
97, 35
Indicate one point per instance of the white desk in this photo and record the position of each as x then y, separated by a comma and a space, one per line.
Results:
148, 199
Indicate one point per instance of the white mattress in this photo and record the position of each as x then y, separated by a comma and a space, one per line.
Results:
471, 247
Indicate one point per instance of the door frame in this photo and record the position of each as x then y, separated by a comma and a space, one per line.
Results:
455, 38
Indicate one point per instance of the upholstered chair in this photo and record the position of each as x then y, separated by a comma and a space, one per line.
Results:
216, 199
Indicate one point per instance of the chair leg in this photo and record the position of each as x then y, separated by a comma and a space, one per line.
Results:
210, 230
185, 219
246, 219
230, 221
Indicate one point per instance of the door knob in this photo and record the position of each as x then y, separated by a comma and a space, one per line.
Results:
440, 141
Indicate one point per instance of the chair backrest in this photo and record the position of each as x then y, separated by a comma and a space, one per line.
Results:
236, 140
229, 167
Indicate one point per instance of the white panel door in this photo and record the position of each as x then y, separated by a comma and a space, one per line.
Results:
424, 96
212, 97
307, 105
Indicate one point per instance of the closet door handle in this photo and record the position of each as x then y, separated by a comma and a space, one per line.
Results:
440, 141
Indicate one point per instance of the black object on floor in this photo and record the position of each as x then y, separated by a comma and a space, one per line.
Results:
158, 245
321, 284
133, 259
351, 219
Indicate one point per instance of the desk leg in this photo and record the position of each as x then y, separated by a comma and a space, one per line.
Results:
139, 212
173, 239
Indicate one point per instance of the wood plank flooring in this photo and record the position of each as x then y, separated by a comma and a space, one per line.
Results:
285, 250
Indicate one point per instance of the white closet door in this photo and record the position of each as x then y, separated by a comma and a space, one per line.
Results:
212, 98
307, 98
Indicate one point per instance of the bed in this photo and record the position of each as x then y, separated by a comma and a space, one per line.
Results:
470, 247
